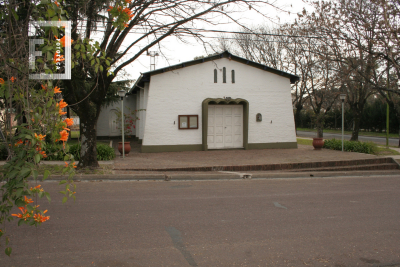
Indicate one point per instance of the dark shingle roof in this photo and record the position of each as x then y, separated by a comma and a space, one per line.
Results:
145, 77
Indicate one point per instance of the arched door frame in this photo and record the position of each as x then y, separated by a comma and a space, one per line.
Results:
223, 101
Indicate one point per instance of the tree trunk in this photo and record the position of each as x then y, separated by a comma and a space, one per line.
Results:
356, 126
88, 126
320, 125
297, 116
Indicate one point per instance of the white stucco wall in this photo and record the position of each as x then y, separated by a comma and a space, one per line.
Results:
182, 92
106, 116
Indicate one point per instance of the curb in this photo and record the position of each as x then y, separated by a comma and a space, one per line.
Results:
175, 176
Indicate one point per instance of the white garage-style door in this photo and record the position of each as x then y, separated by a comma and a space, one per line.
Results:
225, 126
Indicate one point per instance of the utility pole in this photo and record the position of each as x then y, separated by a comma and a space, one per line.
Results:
387, 105
153, 55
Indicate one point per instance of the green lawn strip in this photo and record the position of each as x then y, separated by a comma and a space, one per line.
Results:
349, 132
75, 134
302, 141
381, 151
384, 151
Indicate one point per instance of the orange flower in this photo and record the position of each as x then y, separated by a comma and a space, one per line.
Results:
19, 142
64, 136
62, 104
40, 137
39, 218
128, 1
27, 200
66, 164
43, 154
56, 3
13, 79
61, 112
58, 58
57, 90
73, 165
44, 87
63, 41
23, 215
36, 189
1, 81
69, 121
110, 8
128, 12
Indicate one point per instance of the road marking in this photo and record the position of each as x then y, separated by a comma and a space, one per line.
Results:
178, 244
276, 204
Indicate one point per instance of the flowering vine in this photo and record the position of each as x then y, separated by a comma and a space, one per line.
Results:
121, 14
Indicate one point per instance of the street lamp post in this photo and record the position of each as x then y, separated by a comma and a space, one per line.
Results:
121, 94
342, 97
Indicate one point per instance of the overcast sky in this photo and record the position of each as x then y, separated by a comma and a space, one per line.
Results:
174, 51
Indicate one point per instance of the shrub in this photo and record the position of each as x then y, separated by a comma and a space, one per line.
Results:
351, 146
104, 152
3, 152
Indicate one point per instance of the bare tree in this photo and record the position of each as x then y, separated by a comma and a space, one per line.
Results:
155, 20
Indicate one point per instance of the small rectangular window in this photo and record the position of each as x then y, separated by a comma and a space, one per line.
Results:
188, 122
233, 76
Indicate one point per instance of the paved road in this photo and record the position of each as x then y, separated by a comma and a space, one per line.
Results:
292, 222
378, 140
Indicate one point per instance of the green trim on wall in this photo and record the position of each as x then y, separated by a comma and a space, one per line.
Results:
222, 101
171, 148
273, 145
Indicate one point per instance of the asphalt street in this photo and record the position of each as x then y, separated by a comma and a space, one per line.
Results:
378, 140
345, 221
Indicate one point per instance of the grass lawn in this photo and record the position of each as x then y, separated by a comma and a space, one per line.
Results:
382, 151
75, 134
349, 132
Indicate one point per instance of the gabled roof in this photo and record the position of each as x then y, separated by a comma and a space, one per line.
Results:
145, 77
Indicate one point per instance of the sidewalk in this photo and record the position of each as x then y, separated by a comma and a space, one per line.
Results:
241, 164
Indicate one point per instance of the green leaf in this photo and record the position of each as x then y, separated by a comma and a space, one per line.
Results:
12, 174
108, 63
101, 68
19, 191
96, 68
35, 174
21, 221
64, 200
8, 251
47, 194
49, 103
46, 174
62, 182
76, 47
20, 203
15, 14
50, 12
37, 158
84, 56
92, 62
29, 208
63, 192
25, 172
